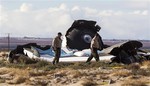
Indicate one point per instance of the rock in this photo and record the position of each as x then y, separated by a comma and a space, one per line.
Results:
17, 80
58, 75
111, 81
6, 77
57, 80
32, 79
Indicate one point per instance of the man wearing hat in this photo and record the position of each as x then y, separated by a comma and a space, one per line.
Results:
96, 45
56, 45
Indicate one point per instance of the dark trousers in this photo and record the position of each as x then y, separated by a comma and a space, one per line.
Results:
57, 55
93, 54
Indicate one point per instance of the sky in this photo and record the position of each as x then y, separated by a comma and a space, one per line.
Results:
119, 19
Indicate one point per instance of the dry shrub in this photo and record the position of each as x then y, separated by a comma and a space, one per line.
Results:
19, 72
37, 73
61, 73
3, 71
142, 72
40, 83
42, 63
19, 75
123, 73
76, 74
138, 69
14, 72
104, 77
17, 80
134, 66
88, 83
2, 80
78, 65
51, 72
3, 54
36, 82
145, 65
24, 60
135, 83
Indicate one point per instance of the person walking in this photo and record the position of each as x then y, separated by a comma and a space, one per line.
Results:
56, 45
95, 45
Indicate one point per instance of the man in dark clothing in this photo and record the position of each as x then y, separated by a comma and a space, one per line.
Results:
56, 45
95, 45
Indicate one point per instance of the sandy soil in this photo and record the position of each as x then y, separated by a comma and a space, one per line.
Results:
133, 75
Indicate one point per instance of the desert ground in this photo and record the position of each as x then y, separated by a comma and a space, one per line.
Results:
42, 73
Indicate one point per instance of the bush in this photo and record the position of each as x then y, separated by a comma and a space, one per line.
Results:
42, 64
135, 83
88, 83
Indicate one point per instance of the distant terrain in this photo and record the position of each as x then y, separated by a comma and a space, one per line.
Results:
14, 41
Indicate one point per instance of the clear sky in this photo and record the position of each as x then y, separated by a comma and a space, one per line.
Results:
119, 19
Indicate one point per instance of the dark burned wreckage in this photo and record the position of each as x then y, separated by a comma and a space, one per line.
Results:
128, 52
78, 38
80, 34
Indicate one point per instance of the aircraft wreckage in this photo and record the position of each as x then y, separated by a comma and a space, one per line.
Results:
80, 34
76, 44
